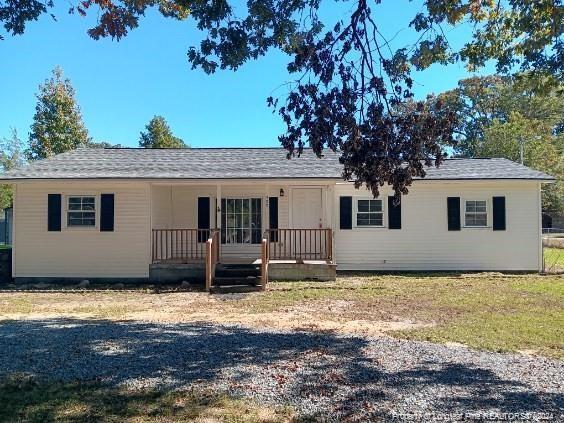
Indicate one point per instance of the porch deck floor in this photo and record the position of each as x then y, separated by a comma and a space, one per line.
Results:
259, 261
179, 261
241, 260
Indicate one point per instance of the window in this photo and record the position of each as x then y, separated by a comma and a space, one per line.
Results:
81, 211
369, 213
475, 213
241, 220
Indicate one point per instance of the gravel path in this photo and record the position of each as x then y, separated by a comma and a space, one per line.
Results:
319, 374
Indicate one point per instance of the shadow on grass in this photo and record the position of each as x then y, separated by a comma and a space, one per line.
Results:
25, 399
340, 373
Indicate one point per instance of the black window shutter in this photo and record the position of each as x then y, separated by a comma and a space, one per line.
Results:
498, 213
107, 212
345, 212
453, 204
273, 218
203, 218
394, 213
54, 212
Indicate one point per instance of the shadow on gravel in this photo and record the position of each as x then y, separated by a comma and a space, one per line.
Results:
334, 372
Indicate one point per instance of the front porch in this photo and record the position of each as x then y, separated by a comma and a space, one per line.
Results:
285, 254
241, 235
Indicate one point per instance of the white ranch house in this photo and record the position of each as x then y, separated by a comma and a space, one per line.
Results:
170, 214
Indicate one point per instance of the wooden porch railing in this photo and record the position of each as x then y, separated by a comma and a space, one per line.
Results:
179, 245
300, 244
212, 257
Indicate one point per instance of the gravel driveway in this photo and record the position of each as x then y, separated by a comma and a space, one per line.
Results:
319, 374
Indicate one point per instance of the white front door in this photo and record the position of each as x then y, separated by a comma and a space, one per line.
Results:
307, 208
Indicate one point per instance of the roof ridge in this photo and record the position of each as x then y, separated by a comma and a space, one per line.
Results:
193, 148
252, 148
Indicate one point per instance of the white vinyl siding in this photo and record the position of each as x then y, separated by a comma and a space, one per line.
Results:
425, 243
75, 252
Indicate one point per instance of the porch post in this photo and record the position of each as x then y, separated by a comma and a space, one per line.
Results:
218, 208
333, 205
328, 210
265, 210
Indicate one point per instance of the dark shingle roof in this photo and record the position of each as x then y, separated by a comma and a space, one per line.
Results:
235, 163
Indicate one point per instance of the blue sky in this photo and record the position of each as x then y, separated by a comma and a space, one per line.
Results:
121, 85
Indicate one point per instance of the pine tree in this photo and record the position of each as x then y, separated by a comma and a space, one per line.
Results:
11, 157
159, 135
57, 124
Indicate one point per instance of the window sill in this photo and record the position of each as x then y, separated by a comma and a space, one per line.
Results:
80, 228
476, 227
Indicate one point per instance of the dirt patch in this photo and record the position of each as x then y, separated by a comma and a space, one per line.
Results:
306, 321
327, 315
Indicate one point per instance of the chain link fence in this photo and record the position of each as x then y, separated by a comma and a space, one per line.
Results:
553, 250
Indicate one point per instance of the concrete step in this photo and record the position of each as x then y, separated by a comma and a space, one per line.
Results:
234, 289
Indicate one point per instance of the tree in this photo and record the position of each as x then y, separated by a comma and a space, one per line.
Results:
159, 135
57, 124
102, 144
541, 151
475, 103
348, 79
478, 101
11, 157
495, 115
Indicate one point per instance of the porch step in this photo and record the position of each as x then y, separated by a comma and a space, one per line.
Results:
234, 289
236, 270
236, 277
235, 280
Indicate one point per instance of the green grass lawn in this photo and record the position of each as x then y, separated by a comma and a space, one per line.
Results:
524, 314
27, 400
554, 257
485, 311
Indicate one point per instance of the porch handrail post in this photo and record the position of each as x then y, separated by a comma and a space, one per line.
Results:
217, 239
209, 246
330, 241
264, 263
153, 246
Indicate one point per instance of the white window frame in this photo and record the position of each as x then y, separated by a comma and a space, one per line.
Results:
226, 228
487, 212
355, 213
66, 211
